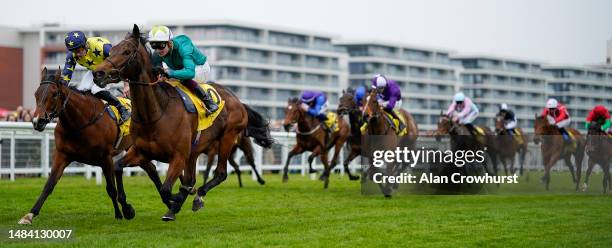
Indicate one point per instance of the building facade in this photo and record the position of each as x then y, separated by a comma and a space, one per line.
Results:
427, 76
491, 81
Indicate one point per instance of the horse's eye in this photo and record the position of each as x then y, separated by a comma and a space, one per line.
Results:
126, 52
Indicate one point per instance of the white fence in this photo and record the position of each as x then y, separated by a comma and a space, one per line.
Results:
26, 152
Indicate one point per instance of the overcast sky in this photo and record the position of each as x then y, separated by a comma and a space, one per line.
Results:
552, 31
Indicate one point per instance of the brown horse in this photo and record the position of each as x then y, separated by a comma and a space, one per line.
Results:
347, 105
311, 136
83, 134
508, 147
380, 125
164, 131
246, 146
553, 148
599, 148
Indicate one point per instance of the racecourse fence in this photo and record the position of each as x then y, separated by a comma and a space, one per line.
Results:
25, 152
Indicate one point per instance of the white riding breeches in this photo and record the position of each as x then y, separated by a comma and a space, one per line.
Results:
202, 72
510, 124
469, 118
563, 123
87, 84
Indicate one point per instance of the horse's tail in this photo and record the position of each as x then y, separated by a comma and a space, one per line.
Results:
258, 128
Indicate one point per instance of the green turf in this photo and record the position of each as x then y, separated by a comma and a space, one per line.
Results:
301, 213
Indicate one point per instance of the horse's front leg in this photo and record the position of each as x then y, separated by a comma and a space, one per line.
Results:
60, 161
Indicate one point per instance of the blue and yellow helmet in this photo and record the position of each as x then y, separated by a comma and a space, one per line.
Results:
75, 40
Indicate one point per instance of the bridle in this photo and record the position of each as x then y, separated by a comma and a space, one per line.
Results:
120, 69
59, 108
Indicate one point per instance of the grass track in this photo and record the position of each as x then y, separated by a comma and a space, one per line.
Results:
301, 213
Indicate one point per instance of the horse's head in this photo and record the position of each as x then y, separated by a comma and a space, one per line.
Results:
293, 113
539, 127
445, 124
50, 100
127, 60
347, 102
499, 122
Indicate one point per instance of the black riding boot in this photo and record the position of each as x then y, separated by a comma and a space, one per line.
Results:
211, 106
112, 100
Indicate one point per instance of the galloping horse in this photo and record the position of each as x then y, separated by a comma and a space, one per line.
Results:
347, 105
246, 146
508, 146
380, 124
553, 148
311, 137
462, 139
599, 148
83, 134
164, 131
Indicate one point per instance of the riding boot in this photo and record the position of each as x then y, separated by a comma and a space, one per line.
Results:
210, 104
323, 118
471, 128
112, 100
566, 137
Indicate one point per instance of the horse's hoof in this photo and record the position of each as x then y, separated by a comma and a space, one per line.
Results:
26, 219
285, 178
388, 196
311, 171
198, 204
261, 182
129, 212
169, 216
323, 177
193, 191
353, 178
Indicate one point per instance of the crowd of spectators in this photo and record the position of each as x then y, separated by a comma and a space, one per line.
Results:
20, 114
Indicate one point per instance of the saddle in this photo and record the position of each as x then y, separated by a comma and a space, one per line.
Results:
193, 104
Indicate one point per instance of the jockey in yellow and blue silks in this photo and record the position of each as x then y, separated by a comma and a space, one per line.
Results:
315, 104
184, 61
89, 53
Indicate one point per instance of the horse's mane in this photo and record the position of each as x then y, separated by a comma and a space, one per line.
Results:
142, 38
350, 91
293, 100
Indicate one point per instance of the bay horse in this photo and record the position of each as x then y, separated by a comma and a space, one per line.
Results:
246, 146
380, 125
83, 134
348, 106
599, 149
553, 148
310, 136
508, 146
461, 138
164, 131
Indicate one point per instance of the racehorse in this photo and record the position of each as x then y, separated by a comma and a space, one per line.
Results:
246, 146
553, 148
379, 124
508, 146
599, 148
83, 134
310, 136
164, 131
347, 105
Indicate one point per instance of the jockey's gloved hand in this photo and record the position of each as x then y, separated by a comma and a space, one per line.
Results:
159, 71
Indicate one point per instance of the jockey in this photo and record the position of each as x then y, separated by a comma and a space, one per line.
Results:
389, 97
360, 94
315, 104
601, 115
184, 60
509, 118
557, 115
463, 110
89, 53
